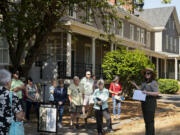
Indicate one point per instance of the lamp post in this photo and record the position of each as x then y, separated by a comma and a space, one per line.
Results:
137, 4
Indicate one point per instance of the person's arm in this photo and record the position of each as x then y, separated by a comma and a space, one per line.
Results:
111, 88
135, 85
27, 94
18, 88
65, 96
154, 86
69, 95
37, 92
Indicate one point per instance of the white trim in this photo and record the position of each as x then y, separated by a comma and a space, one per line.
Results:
176, 69
68, 60
158, 41
165, 68
157, 67
131, 32
93, 55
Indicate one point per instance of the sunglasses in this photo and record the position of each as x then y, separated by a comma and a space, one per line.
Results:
148, 73
88, 74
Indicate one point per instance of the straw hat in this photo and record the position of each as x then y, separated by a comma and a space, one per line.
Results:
115, 78
148, 69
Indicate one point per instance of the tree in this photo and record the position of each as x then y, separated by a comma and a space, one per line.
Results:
127, 65
26, 24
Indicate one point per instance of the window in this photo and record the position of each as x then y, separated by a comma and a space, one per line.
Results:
171, 44
87, 54
121, 29
4, 52
175, 45
138, 35
148, 39
110, 28
72, 12
131, 32
89, 14
167, 42
173, 26
142, 36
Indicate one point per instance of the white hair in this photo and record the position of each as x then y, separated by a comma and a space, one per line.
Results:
75, 77
101, 81
5, 77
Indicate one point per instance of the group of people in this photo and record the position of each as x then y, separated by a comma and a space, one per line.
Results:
82, 95
88, 92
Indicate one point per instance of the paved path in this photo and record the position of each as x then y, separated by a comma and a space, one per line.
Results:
170, 99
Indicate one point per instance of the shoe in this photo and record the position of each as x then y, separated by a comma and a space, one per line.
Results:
77, 126
100, 133
59, 125
110, 131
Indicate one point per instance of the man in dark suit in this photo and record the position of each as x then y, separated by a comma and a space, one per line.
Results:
60, 97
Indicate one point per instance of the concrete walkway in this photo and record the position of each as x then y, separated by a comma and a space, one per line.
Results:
170, 98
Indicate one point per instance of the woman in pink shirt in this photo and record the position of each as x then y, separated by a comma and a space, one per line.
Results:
116, 89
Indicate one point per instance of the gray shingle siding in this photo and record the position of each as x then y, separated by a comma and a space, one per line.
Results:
171, 33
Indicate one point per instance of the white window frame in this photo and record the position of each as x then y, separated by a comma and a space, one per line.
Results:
131, 32
171, 44
73, 15
167, 42
175, 45
4, 50
148, 39
138, 36
121, 30
173, 25
88, 17
142, 36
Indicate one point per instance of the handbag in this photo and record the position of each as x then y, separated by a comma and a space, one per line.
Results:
16, 127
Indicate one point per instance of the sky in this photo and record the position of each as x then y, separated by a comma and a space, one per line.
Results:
157, 3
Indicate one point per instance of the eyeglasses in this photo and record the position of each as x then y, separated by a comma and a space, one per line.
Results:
148, 73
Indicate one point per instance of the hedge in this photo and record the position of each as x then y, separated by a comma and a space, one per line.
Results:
168, 86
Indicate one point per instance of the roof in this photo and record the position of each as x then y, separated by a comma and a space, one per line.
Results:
157, 17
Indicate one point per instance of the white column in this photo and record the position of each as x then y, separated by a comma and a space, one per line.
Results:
165, 68
112, 46
68, 61
157, 67
93, 55
179, 45
176, 69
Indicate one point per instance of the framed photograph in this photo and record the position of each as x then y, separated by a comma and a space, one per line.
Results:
47, 118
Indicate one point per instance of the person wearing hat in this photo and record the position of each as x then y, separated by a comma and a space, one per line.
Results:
150, 88
116, 89
17, 86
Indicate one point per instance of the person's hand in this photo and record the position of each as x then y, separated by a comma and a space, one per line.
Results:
99, 102
60, 102
144, 92
20, 116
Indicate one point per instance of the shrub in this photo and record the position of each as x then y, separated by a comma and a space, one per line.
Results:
127, 65
168, 86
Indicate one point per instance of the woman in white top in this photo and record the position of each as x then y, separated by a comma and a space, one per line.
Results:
51, 91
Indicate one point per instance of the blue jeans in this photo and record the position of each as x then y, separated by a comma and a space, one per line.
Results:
118, 103
61, 110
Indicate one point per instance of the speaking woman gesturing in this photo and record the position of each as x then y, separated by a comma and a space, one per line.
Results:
150, 88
